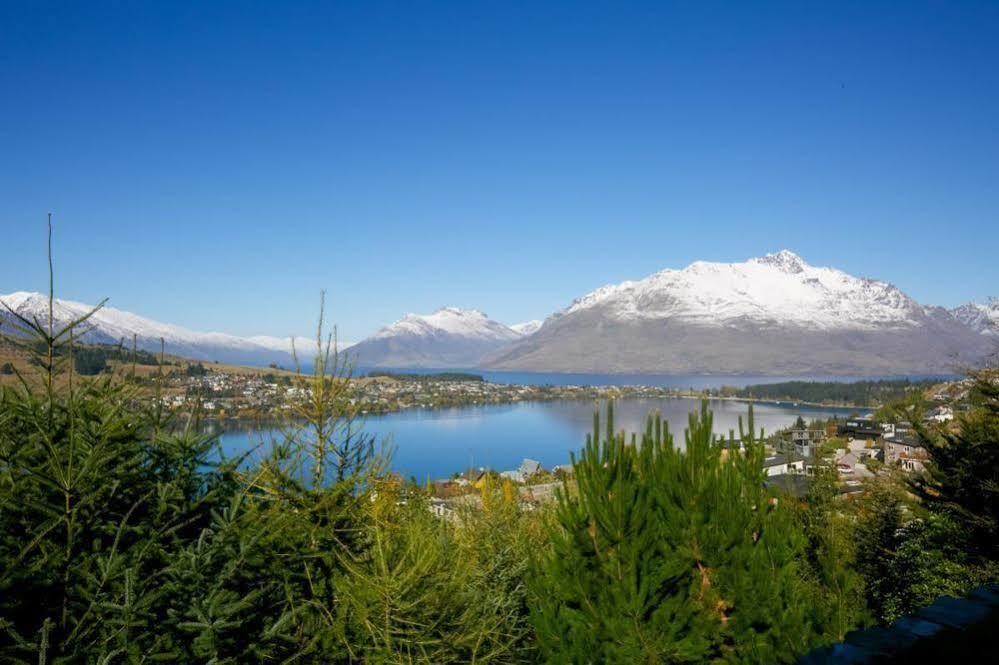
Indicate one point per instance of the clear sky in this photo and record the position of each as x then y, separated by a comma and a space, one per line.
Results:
215, 164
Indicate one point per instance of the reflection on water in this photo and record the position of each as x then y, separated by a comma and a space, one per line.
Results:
437, 443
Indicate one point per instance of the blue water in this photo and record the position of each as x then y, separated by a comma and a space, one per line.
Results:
436, 443
680, 381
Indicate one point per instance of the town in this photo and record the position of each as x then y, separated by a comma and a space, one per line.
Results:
269, 395
855, 450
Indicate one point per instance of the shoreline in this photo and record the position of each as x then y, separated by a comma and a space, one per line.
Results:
270, 421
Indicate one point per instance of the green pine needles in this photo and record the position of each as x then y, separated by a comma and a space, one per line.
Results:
670, 554
126, 536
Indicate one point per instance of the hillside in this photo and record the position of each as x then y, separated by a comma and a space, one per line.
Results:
770, 315
449, 337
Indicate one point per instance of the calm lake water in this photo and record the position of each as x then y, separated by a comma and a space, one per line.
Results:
436, 443
695, 381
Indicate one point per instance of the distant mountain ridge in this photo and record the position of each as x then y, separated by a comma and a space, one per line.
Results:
527, 327
450, 337
114, 326
983, 318
774, 314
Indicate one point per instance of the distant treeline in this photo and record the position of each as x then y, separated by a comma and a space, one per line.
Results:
89, 359
92, 360
858, 393
439, 376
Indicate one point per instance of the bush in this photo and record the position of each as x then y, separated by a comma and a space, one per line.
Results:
906, 562
89, 361
672, 555
123, 537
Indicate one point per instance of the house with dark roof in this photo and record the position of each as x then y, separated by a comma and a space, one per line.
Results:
776, 465
909, 452
899, 429
861, 428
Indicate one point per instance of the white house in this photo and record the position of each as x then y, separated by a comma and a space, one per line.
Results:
780, 465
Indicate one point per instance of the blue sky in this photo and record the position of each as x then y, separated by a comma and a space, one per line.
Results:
216, 164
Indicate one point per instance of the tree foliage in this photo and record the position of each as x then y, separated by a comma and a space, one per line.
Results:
830, 533
907, 561
963, 481
857, 393
669, 554
127, 536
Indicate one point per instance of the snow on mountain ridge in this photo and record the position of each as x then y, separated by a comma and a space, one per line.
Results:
770, 315
449, 337
467, 323
304, 346
110, 325
527, 327
981, 317
780, 288
785, 260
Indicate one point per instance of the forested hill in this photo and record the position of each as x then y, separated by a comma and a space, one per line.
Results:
858, 393
434, 376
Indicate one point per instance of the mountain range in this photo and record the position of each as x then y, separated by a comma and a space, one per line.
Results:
450, 337
769, 315
983, 318
113, 326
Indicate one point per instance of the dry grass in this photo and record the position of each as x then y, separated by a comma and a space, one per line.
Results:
19, 358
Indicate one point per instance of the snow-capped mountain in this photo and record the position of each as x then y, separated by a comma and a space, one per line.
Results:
771, 315
527, 327
450, 337
113, 326
775, 315
983, 318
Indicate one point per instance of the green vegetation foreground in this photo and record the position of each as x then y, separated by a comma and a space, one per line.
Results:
126, 537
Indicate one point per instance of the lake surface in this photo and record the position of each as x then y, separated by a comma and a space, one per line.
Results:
680, 381
436, 443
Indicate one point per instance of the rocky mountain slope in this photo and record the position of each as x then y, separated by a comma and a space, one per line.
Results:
770, 315
114, 326
448, 338
527, 327
983, 318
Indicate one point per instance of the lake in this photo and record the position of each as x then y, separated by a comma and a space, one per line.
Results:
680, 381
436, 443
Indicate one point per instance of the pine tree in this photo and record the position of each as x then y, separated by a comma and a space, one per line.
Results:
96, 496
665, 554
414, 597
831, 555
908, 558
961, 480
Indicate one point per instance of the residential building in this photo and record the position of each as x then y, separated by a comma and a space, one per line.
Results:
861, 428
780, 464
806, 442
907, 452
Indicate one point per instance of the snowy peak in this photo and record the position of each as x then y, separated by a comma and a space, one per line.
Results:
981, 317
113, 326
785, 260
774, 314
527, 327
449, 321
779, 288
449, 337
